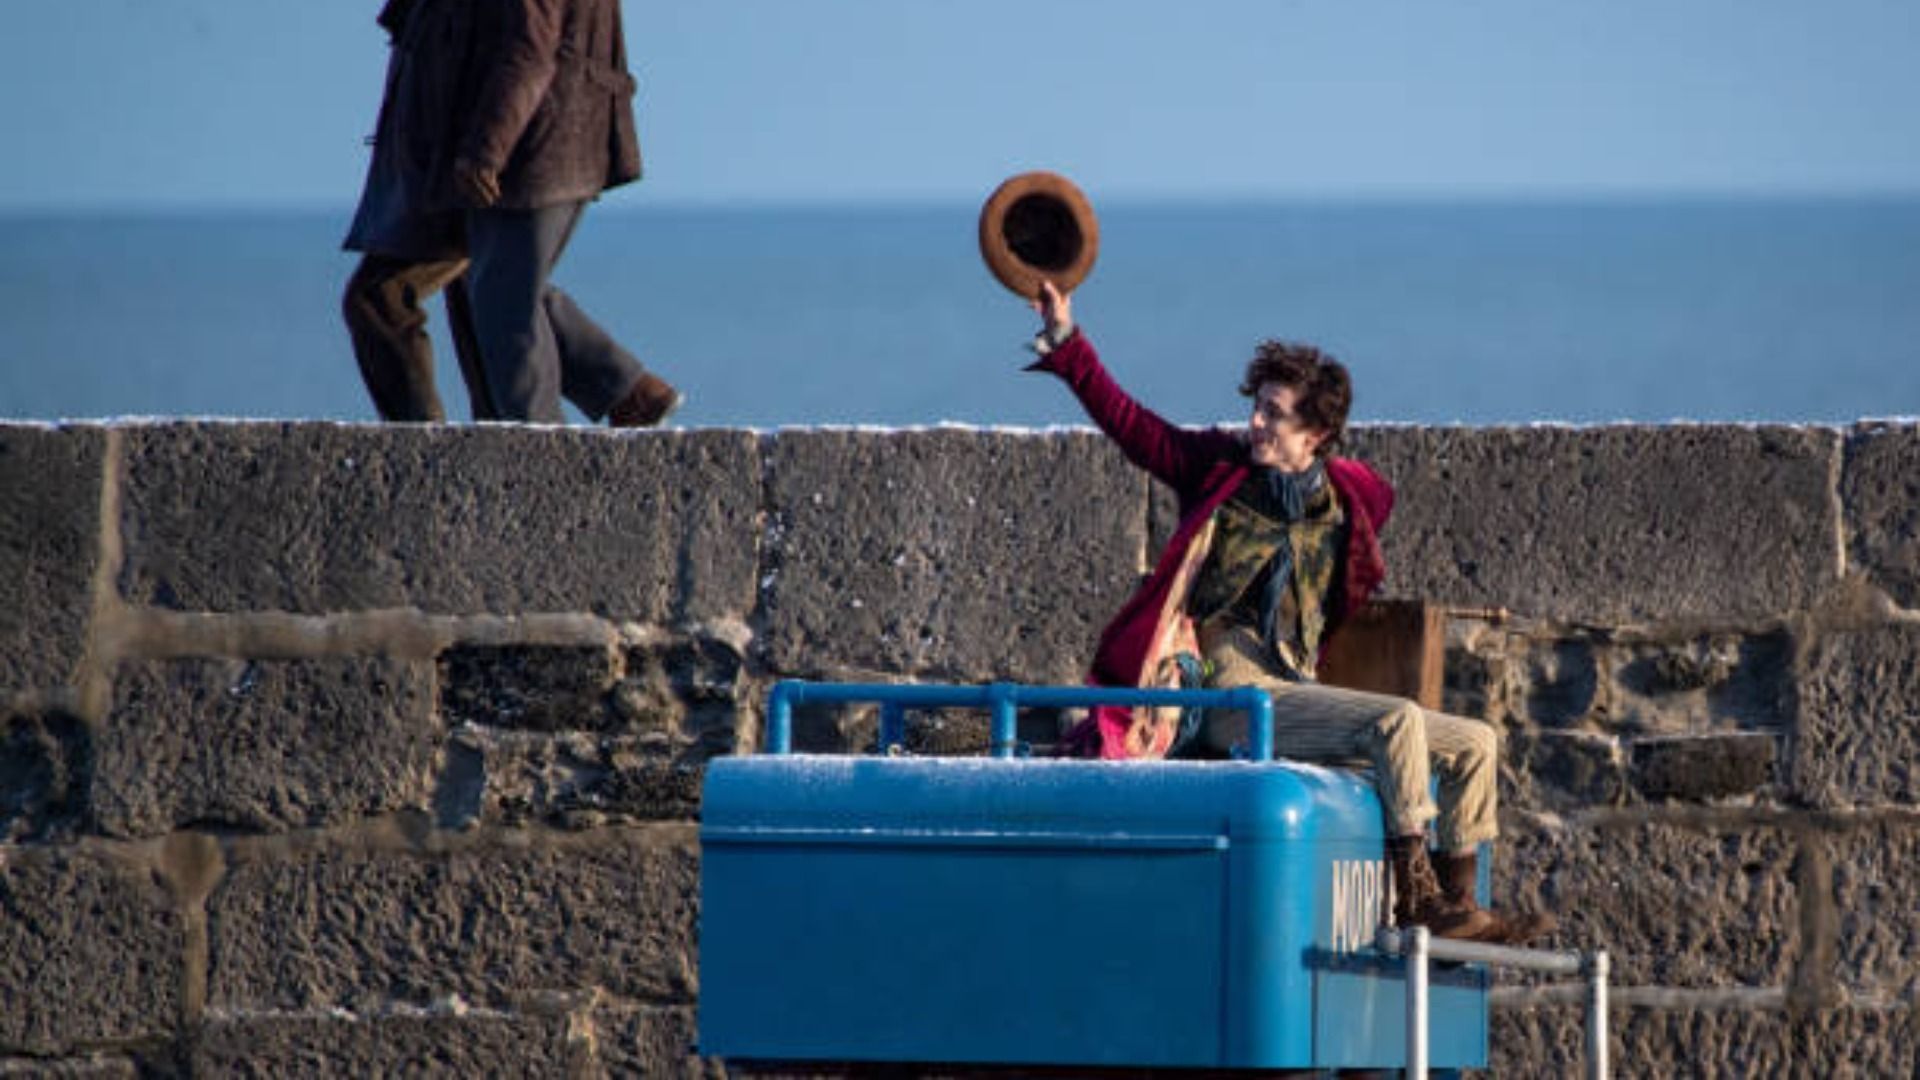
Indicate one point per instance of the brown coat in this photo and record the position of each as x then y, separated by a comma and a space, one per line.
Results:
535, 89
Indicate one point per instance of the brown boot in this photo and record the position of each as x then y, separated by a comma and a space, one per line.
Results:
1419, 901
650, 402
1460, 875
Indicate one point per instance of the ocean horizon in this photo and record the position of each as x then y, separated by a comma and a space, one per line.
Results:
1481, 311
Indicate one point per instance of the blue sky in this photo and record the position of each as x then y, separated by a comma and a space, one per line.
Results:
265, 102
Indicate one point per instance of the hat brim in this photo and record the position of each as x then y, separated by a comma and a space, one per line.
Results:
1039, 227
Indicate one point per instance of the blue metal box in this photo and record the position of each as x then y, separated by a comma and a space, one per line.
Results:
1167, 914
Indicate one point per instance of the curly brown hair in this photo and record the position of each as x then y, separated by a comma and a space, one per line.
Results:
1325, 388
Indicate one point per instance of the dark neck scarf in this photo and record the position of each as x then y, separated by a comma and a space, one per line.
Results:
1289, 495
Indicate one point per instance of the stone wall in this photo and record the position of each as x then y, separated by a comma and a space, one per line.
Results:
333, 749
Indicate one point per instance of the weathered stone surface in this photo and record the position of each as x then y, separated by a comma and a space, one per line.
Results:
651, 1041
92, 950
90, 1067
262, 744
528, 687
1610, 523
1704, 767
576, 781
1712, 683
965, 554
1876, 878
657, 527
1880, 490
1674, 906
469, 1044
693, 692
1564, 770
1602, 682
49, 548
1858, 738
335, 925
46, 760
1710, 1043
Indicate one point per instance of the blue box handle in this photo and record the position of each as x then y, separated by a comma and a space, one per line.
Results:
1002, 700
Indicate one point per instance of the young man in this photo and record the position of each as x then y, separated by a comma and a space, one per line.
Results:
1291, 537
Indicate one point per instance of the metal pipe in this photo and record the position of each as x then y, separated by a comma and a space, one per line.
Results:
893, 726
1417, 941
780, 718
1000, 699
1004, 699
1259, 707
1418, 948
1597, 1016
1393, 942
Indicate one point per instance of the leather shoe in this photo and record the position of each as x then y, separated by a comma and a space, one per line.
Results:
648, 404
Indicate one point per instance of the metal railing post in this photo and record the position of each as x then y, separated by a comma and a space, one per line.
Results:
893, 726
1417, 943
1597, 970
780, 719
1000, 699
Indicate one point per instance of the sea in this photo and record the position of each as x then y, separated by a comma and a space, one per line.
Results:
1478, 312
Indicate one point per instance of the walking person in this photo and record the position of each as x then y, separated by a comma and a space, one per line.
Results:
502, 120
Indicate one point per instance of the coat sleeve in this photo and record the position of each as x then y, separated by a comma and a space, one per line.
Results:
1173, 454
519, 72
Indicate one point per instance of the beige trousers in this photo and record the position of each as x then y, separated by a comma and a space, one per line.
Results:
1404, 743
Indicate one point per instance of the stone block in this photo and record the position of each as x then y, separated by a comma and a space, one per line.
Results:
1715, 682
528, 687
454, 1043
263, 744
1857, 741
45, 760
1880, 491
1564, 770
50, 482
315, 518
1875, 920
1709, 1042
1701, 768
1610, 524
92, 951
1675, 906
651, 1041
691, 691
955, 553
351, 925
571, 781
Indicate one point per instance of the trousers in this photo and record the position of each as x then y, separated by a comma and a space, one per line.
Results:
1405, 744
522, 343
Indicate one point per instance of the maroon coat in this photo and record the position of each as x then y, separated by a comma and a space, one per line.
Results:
537, 90
1203, 466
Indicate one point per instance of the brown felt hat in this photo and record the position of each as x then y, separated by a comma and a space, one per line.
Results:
1038, 226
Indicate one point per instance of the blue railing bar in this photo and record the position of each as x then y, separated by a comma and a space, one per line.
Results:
893, 726
1002, 700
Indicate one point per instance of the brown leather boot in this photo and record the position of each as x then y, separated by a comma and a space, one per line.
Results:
1419, 901
649, 403
1460, 874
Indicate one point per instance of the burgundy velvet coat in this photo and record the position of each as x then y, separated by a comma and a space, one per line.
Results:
1203, 466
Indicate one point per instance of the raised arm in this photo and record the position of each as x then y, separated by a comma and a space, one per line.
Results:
1175, 455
